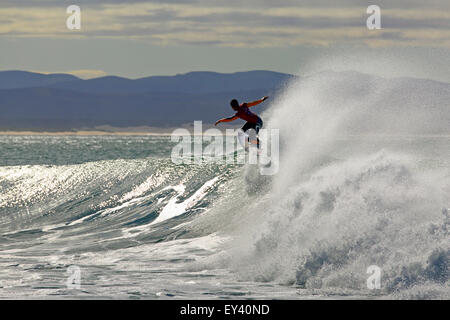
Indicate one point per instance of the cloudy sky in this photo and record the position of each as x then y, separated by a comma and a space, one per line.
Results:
138, 38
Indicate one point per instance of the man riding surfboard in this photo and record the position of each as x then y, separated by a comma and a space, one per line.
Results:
243, 112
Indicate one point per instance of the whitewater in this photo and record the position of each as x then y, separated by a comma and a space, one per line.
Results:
363, 181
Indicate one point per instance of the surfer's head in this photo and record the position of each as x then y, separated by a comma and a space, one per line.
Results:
234, 104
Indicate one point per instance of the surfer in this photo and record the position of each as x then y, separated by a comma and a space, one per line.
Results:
243, 112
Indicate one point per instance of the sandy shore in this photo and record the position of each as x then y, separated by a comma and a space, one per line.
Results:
167, 132
112, 131
82, 133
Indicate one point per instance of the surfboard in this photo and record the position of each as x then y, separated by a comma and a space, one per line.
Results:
246, 140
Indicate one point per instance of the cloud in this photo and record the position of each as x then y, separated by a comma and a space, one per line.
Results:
235, 23
403, 4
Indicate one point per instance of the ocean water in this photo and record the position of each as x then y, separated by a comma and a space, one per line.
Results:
142, 227
118, 215
122, 212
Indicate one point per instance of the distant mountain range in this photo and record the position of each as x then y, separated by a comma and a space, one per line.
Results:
33, 101
54, 102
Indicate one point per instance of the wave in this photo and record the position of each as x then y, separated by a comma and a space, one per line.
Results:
327, 230
121, 201
335, 208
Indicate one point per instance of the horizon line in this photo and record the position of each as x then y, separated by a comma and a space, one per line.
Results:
149, 76
226, 73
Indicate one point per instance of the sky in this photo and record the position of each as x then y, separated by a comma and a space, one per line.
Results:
138, 38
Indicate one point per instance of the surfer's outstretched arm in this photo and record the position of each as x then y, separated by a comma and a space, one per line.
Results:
232, 118
256, 102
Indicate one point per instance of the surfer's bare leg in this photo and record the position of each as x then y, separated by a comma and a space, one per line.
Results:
253, 136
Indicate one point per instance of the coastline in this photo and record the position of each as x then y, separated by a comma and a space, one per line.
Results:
83, 133
169, 132
113, 131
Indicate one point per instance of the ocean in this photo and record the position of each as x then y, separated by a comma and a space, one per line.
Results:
346, 216
135, 225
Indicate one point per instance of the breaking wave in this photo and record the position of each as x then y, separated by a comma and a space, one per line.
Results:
346, 198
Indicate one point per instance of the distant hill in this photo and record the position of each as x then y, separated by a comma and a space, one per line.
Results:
23, 79
40, 102
193, 82
57, 109
62, 102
